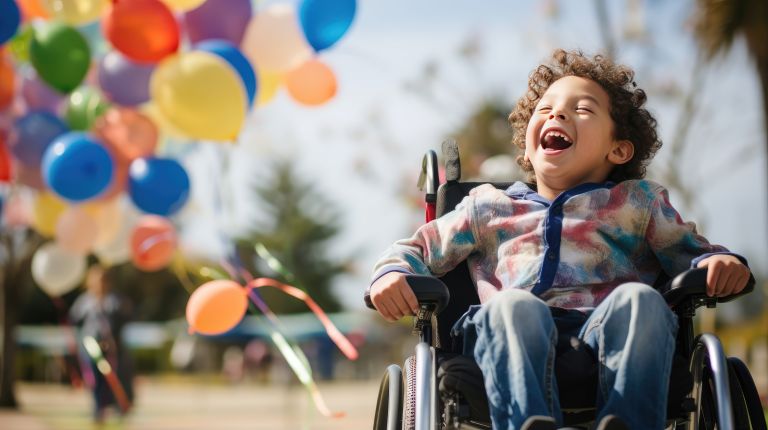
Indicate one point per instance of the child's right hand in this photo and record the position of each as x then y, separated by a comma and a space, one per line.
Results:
392, 297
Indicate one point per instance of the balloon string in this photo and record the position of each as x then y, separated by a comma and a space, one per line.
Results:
297, 361
94, 351
338, 338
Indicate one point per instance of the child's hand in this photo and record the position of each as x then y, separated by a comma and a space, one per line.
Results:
393, 297
726, 275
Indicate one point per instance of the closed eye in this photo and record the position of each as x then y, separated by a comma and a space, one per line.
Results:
583, 109
544, 109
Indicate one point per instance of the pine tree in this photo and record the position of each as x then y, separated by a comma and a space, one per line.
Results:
296, 227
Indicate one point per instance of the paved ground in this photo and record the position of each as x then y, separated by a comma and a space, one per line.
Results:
186, 405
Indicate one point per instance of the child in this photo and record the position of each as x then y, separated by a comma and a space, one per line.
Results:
589, 238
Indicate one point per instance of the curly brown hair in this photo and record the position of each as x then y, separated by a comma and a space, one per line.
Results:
631, 120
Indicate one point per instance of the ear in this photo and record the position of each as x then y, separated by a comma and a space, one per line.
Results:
622, 152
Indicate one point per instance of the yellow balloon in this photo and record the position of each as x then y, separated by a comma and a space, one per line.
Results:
182, 5
200, 95
269, 83
76, 12
161, 122
45, 213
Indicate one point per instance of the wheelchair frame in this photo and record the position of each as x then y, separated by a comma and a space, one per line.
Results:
412, 390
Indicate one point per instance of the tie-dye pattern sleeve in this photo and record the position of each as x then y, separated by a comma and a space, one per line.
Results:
676, 244
436, 247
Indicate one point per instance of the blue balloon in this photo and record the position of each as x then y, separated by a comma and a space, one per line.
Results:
237, 60
325, 21
33, 133
77, 167
10, 17
158, 186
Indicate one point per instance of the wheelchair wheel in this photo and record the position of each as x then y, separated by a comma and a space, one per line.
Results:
747, 398
389, 404
409, 394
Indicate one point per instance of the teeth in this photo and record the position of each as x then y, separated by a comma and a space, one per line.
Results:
557, 133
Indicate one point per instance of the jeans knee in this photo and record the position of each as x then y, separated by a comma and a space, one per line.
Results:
517, 307
644, 303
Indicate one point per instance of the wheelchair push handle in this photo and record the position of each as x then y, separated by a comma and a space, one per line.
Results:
692, 284
429, 291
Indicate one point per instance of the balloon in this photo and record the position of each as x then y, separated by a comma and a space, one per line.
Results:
123, 81
7, 80
75, 12
38, 95
85, 105
232, 17
237, 60
60, 55
31, 9
158, 185
163, 124
216, 307
200, 95
325, 21
33, 134
142, 30
153, 243
77, 167
269, 83
273, 40
117, 250
182, 5
311, 84
128, 133
56, 270
5, 161
46, 210
76, 230
10, 17
108, 217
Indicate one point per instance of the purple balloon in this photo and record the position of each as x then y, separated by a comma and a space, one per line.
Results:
219, 19
33, 134
124, 82
38, 96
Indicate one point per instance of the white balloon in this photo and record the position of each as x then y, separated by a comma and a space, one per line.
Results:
274, 40
56, 270
76, 230
117, 250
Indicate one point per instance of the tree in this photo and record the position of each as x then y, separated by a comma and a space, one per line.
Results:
17, 246
296, 230
718, 23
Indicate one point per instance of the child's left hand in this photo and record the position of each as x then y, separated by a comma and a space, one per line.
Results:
726, 275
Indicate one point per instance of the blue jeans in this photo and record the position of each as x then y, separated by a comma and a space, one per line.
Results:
512, 337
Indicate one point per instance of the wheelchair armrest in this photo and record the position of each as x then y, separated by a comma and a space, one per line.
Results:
691, 285
429, 291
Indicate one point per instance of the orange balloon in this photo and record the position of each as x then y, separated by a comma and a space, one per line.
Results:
313, 83
32, 9
7, 80
143, 30
128, 133
153, 243
216, 307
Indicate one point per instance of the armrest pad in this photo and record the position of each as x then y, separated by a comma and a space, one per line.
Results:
692, 284
428, 290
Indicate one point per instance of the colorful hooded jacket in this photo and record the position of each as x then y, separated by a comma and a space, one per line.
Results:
570, 252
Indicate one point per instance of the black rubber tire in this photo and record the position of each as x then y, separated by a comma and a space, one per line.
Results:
392, 380
750, 396
409, 393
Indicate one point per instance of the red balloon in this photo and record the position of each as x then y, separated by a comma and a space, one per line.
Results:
153, 243
5, 161
143, 30
7, 80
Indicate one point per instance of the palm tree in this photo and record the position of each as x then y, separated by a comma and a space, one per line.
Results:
719, 22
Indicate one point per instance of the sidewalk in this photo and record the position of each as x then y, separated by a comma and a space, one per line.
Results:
199, 406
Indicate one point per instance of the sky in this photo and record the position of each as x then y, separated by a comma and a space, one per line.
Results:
362, 146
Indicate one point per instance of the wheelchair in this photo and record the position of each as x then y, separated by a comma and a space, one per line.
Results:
439, 389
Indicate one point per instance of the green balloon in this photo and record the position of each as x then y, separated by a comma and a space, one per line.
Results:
84, 106
60, 55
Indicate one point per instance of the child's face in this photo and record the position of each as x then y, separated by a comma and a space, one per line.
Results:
569, 139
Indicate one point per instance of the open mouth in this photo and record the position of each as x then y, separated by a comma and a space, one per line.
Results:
555, 140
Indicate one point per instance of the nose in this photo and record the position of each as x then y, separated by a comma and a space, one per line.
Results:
557, 114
